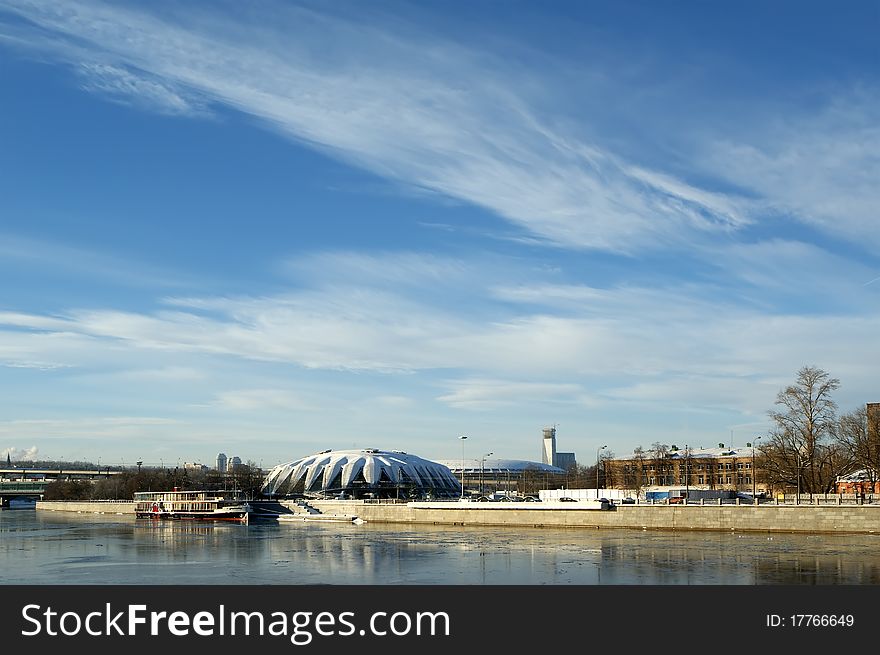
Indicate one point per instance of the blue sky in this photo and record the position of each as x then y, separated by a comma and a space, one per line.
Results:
273, 229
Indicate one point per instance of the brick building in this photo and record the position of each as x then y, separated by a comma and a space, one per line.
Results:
727, 469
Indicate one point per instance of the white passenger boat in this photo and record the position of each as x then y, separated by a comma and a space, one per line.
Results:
191, 505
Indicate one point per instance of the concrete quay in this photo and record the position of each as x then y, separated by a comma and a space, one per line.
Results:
88, 506
816, 519
862, 519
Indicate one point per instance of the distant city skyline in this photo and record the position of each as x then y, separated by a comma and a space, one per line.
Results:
271, 229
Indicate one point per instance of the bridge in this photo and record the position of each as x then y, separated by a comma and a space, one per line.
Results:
16, 473
10, 489
31, 483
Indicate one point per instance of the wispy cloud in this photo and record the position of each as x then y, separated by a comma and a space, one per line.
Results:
477, 393
603, 338
132, 88
73, 260
394, 401
40, 366
698, 393
412, 108
164, 374
820, 168
103, 426
390, 268
777, 273
260, 399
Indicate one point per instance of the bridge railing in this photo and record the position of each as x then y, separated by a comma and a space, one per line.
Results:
23, 486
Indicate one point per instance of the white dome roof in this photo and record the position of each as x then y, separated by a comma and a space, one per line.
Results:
357, 473
499, 466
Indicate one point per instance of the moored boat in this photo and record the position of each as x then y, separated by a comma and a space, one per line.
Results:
192, 505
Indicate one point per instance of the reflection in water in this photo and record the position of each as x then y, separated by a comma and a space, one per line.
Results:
47, 547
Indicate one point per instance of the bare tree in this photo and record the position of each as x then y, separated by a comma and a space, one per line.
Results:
800, 451
659, 462
576, 476
247, 479
608, 473
532, 480
859, 434
627, 473
640, 474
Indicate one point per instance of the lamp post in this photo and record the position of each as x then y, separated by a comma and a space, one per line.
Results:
797, 455
687, 473
482, 462
754, 470
462, 438
598, 451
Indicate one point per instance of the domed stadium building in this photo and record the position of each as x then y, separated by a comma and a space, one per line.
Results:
366, 473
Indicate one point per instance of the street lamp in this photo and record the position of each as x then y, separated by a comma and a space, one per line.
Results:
482, 462
462, 437
597, 468
687, 473
754, 470
797, 455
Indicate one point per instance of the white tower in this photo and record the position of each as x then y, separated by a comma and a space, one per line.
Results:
221, 462
549, 454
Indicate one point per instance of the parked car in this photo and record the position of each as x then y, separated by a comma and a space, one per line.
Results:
566, 499
628, 501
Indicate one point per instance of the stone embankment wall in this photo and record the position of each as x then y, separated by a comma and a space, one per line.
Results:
863, 519
88, 506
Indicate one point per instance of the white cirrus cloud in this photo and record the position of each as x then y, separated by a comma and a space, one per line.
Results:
20, 253
412, 108
129, 87
39, 366
480, 393
602, 340
90, 427
163, 374
821, 167
260, 399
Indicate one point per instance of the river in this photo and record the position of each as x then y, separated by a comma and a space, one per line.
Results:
63, 548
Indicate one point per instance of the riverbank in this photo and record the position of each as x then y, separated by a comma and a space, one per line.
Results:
87, 506
815, 519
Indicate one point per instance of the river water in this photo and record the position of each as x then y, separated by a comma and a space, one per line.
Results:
62, 548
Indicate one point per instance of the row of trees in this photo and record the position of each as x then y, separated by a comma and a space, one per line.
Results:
244, 481
532, 480
810, 446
